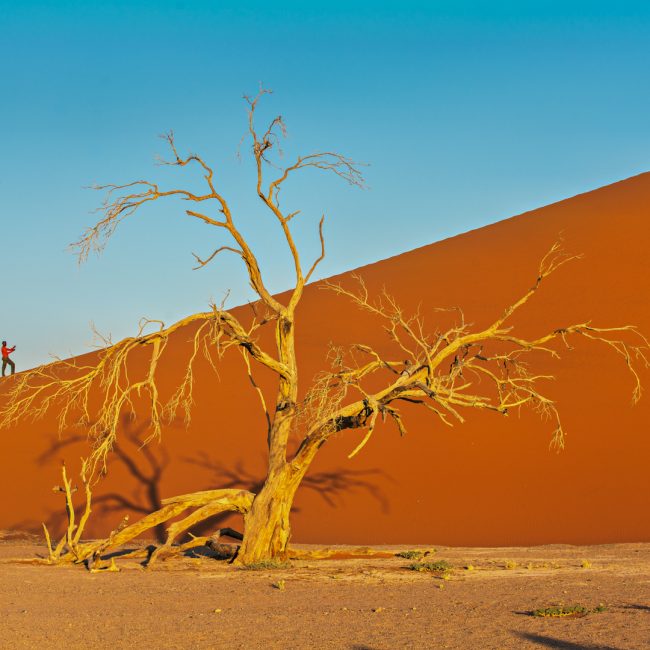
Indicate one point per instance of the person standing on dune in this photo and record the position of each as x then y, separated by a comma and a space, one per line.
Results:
6, 361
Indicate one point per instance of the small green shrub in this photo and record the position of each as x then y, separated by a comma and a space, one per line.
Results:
409, 555
414, 554
562, 611
575, 611
436, 567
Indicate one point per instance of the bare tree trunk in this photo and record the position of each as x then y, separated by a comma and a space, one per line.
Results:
266, 525
267, 530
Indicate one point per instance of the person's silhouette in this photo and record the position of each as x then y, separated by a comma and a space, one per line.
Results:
6, 361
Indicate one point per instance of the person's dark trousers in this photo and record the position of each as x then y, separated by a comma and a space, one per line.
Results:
8, 362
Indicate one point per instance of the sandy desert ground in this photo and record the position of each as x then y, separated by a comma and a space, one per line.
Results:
360, 603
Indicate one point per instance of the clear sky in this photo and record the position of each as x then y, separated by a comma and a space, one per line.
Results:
467, 113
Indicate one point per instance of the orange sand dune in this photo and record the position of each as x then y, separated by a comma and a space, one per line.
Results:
491, 481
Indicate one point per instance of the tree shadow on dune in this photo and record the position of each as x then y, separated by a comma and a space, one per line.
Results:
331, 486
147, 463
143, 463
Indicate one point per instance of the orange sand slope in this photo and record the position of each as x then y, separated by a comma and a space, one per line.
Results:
491, 481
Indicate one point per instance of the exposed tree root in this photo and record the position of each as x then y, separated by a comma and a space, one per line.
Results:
71, 550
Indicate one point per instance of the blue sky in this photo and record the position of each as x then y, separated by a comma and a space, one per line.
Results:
466, 112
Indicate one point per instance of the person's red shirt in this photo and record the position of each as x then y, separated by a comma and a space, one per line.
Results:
7, 351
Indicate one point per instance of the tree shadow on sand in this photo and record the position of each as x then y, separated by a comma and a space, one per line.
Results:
559, 644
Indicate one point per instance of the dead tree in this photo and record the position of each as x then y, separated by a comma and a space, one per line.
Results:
434, 370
